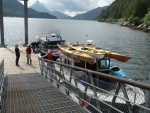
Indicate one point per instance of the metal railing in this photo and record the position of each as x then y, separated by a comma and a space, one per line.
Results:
1, 81
45, 47
98, 92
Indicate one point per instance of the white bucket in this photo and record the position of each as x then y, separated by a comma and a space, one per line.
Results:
89, 42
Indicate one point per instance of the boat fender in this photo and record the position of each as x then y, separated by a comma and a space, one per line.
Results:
84, 103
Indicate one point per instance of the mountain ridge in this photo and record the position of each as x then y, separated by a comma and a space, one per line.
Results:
41, 8
90, 15
16, 9
38, 10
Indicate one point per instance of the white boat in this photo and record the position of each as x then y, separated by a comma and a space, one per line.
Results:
49, 41
135, 95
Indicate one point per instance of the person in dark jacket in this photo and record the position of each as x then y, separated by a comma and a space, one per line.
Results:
17, 51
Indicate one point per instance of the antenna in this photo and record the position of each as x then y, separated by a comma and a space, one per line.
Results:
81, 25
81, 10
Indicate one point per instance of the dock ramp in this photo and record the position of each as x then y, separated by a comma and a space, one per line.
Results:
32, 93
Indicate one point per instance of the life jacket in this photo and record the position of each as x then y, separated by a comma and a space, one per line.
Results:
28, 50
50, 56
84, 103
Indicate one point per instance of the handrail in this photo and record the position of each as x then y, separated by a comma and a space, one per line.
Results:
1, 80
122, 80
120, 98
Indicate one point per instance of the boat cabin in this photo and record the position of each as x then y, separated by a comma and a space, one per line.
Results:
50, 42
100, 65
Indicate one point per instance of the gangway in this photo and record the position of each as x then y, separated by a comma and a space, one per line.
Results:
32, 93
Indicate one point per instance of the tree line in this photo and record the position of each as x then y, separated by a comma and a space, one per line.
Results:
133, 11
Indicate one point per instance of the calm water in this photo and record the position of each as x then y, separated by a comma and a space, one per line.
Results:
109, 36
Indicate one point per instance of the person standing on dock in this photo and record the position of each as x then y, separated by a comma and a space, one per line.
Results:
28, 54
17, 51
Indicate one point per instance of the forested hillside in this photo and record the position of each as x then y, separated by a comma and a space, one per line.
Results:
133, 11
115, 10
13, 8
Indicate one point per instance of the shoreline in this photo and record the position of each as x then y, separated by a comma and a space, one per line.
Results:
140, 27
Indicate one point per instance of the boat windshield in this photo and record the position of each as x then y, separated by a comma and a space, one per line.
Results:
103, 63
62, 42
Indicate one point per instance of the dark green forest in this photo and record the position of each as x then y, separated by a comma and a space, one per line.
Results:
133, 11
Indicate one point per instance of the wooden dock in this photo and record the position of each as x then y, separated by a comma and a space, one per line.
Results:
26, 91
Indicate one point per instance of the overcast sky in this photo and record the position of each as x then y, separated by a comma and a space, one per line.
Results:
72, 7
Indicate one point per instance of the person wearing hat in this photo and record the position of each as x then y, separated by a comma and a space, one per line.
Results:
17, 51
28, 54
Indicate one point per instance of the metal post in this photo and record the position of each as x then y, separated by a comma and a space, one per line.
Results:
126, 97
94, 89
114, 97
26, 21
147, 99
1, 24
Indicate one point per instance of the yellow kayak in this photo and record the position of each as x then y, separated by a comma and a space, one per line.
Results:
76, 54
95, 51
87, 50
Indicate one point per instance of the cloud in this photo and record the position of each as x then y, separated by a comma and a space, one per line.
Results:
72, 6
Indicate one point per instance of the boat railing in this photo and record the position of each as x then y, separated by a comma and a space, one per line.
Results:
1, 81
54, 48
97, 92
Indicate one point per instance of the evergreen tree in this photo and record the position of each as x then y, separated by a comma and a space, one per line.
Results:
136, 11
133, 11
147, 19
115, 10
